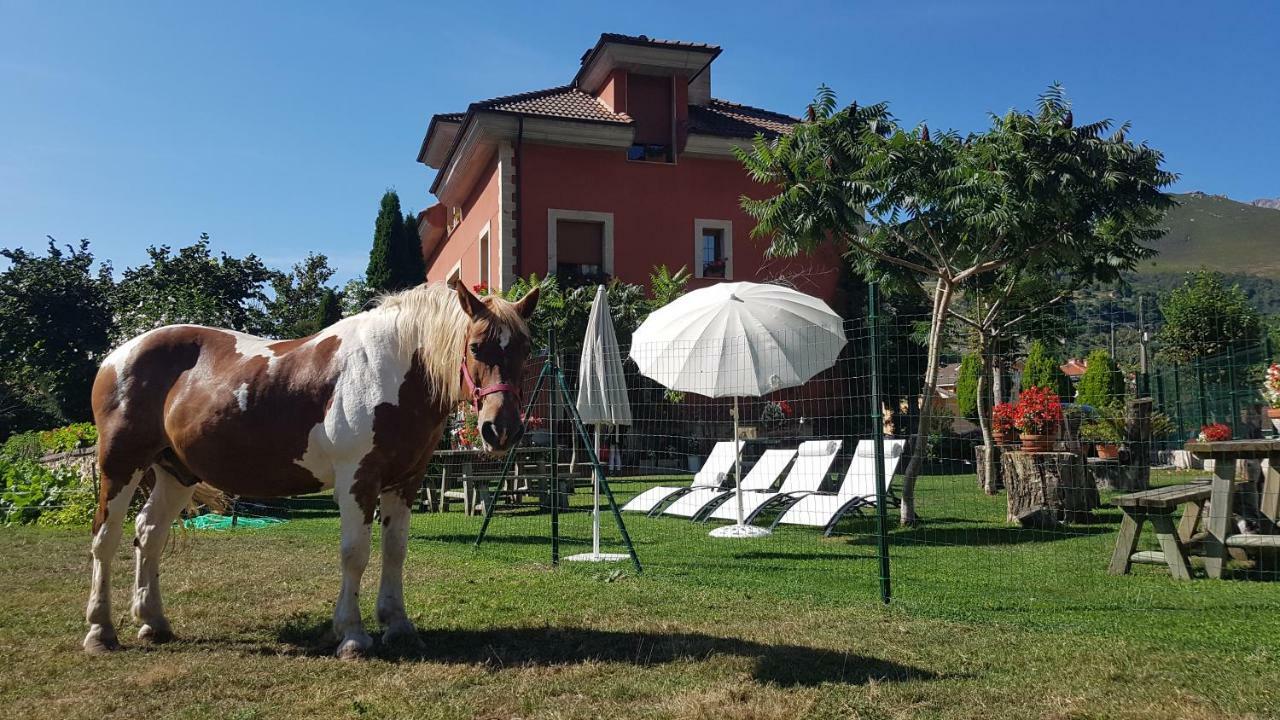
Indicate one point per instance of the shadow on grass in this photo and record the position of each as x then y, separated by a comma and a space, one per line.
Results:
782, 665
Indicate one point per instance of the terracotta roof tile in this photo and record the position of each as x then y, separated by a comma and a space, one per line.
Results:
646, 40
724, 118
564, 102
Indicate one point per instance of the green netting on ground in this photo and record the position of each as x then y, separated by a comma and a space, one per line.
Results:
214, 521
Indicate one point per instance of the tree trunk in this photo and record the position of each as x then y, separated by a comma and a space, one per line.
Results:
1045, 489
941, 301
987, 470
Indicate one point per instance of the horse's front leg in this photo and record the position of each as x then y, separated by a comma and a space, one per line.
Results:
395, 507
353, 641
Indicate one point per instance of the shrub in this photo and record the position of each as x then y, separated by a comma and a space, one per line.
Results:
967, 386
28, 490
1102, 384
34, 445
1043, 370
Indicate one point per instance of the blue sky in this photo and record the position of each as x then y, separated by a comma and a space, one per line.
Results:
275, 127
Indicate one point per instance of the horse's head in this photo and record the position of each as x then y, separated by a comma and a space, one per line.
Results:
493, 359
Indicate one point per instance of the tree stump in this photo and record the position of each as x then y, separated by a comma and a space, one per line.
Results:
1047, 488
981, 460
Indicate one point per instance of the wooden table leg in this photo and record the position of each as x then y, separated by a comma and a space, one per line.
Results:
1220, 516
443, 505
1270, 504
1190, 520
1175, 554
1126, 542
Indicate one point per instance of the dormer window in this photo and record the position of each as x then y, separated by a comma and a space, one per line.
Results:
649, 103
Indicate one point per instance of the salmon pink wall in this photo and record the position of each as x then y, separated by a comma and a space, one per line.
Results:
463, 243
654, 206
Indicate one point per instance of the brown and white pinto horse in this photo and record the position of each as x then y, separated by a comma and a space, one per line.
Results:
358, 407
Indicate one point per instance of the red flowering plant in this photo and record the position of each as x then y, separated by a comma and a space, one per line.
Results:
1002, 419
1271, 385
533, 422
480, 288
465, 428
1038, 412
1215, 432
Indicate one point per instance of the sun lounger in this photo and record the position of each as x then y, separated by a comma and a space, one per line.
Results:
764, 474
857, 490
813, 461
713, 474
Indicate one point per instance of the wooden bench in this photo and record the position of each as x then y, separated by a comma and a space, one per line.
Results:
1157, 507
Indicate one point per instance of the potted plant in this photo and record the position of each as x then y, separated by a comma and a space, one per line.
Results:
1271, 391
1002, 423
1037, 416
775, 414
1106, 432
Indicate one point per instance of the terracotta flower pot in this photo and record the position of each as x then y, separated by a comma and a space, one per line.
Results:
1273, 414
1036, 443
1007, 438
1108, 451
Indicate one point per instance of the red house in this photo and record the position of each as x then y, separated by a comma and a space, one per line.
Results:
628, 166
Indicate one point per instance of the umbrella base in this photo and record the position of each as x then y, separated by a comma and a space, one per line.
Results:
598, 557
740, 531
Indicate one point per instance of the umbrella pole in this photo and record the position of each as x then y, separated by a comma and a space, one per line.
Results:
595, 501
737, 459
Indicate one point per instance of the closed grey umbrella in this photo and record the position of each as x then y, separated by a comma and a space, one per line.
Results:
602, 401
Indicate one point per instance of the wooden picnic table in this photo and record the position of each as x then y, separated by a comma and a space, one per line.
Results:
1219, 538
466, 475
1221, 530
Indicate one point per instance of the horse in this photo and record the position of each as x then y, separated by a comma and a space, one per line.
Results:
358, 408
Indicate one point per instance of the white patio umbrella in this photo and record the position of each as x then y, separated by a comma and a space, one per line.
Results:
738, 339
602, 401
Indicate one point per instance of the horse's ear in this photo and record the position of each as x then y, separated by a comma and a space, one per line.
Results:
471, 305
527, 304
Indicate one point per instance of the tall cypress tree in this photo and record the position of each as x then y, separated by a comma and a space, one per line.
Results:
411, 268
387, 231
329, 311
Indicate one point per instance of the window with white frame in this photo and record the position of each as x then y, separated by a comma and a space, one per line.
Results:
713, 249
484, 256
579, 246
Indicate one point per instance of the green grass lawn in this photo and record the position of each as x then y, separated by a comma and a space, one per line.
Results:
987, 621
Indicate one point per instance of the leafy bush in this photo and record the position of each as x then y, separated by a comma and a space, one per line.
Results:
36, 444
29, 491
967, 386
1043, 370
1102, 384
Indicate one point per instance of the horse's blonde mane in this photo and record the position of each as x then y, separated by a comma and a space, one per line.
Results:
429, 320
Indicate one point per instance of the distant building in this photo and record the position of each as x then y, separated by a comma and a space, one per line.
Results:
628, 166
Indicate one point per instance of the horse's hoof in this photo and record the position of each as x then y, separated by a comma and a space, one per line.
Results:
403, 635
155, 634
98, 642
354, 648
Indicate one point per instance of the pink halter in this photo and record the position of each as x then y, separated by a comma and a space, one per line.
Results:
477, 393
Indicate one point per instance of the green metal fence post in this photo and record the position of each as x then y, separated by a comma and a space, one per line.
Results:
877, 434
1177, 401
554, 493
1232, 393
1203, 392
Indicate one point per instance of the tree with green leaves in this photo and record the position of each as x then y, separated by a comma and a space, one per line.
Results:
1035, 195
395, 260
295, 309
380, 276
1206, 317
410, 267
328, 311
1102, 384
55, 325
192, 286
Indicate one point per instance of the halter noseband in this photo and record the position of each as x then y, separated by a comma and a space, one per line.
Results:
477, 393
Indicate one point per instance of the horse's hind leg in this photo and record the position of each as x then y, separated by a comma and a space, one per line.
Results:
108, 523
395, 506
152, 527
